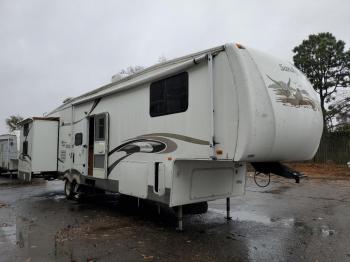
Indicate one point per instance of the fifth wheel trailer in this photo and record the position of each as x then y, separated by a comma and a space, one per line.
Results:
181, 132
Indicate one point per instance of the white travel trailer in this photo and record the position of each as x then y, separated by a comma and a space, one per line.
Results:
181, 132
8, 153
38, 147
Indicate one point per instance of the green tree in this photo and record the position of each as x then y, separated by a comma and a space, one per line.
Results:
326, 63
341, 111
12, 122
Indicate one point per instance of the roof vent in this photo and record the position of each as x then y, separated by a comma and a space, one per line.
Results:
119, 76
67, 100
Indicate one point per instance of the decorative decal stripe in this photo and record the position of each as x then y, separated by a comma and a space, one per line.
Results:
180, 137
141, 145
96, 102
151, 143
111, 167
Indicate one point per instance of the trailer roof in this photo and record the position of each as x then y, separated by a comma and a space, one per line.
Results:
127, 79
30, 119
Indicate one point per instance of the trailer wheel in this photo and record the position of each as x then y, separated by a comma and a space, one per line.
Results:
196, 208
77, 192
69, 189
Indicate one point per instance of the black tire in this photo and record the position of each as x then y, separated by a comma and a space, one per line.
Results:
77, 192
69, 189
196, 208
99, 191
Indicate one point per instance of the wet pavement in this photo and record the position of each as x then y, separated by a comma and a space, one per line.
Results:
309, 221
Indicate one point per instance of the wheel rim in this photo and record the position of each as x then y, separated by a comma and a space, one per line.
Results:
68, 188
75, 189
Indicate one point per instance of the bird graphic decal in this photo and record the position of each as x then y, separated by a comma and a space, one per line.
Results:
290, 96
284, 88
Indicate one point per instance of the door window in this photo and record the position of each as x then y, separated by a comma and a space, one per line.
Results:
100, 127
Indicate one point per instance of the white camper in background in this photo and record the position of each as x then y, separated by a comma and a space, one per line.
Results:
8, 153
38, 147
181, 132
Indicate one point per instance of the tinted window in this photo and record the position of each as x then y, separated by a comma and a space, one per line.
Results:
25, 148
100, 129
78, 139
169, 96
26, 129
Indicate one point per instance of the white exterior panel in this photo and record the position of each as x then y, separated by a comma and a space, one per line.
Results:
44, 152
8, 152
41, 142
279, 114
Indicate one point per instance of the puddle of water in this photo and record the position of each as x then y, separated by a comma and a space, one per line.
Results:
244, 216
252, 217
9, 232
58, 197
288, 222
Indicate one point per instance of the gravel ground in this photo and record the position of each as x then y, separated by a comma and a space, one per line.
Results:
283, 222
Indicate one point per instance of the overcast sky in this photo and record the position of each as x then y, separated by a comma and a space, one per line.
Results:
51, 50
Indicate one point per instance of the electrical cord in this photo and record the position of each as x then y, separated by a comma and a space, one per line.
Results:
261, 185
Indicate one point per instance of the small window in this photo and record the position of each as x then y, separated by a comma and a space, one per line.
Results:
78, 139
100, 129
169, 96
25, 148
26, 129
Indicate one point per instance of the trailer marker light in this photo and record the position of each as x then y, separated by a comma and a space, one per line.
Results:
219, 151
170, 158
239, 46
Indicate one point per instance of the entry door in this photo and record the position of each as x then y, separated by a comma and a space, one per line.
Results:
80, 147
100, 146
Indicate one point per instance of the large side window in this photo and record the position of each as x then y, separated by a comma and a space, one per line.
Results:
169, 95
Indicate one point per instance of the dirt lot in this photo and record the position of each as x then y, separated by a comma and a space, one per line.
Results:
283, 222
327, 171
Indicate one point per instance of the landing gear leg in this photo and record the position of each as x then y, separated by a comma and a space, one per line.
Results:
179, 219
228, 207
